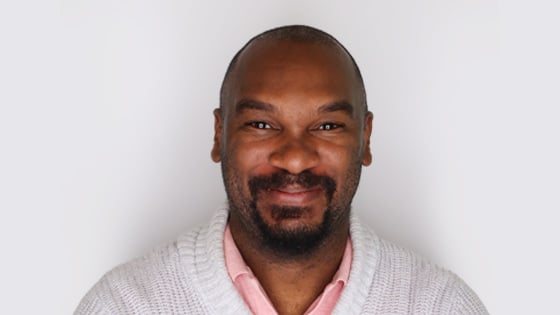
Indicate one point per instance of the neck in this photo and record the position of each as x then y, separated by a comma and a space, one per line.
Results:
292, 284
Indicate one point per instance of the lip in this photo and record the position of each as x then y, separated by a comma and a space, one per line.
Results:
293, 195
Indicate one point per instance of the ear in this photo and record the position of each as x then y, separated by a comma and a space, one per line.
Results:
218, 126
368, 127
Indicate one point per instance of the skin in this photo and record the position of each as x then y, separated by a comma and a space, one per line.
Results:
292, 107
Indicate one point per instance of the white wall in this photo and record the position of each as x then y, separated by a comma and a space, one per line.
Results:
106, 127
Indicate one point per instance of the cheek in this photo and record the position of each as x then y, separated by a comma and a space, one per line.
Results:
247, 160
343, 164
338, 159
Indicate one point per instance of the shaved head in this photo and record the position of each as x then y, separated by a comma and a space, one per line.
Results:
293, 33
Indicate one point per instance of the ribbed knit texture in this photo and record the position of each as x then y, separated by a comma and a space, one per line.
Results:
190, 277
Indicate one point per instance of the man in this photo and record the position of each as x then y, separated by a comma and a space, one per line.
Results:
292, 133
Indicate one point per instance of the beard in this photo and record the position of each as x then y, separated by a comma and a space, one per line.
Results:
295, 242
300, 241
289, 242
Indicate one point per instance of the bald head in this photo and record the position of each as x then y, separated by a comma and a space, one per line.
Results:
298, 35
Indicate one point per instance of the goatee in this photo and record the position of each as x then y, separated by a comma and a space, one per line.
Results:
296, 242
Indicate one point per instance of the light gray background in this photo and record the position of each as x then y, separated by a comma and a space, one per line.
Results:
106, 128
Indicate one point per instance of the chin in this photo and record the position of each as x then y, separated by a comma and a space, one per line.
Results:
292, 235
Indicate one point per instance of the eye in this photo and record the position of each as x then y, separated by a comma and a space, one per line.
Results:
329, 126
259, 125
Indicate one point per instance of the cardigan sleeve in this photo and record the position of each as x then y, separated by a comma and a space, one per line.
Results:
466, 301
91, 304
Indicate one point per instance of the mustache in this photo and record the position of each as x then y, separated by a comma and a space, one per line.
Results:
280, 179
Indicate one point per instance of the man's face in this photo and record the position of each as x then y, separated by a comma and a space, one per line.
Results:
292, 137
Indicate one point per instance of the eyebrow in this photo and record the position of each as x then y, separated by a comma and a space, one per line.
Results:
244, 105
247, 104
343, 106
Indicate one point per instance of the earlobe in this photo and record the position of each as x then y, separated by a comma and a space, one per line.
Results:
217, 147
367, 157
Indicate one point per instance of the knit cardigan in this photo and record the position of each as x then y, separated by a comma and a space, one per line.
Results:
189, 276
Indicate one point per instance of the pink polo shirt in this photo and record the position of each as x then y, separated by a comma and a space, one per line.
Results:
255, 296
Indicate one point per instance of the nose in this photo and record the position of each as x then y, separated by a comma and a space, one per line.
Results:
295, 155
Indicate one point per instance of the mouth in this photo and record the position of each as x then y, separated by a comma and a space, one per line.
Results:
293, 195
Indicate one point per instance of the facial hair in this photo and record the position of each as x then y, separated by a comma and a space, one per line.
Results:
297, 242
280, 242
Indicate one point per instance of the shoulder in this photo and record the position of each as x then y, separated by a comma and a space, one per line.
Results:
409, 281
155, 281
187, 276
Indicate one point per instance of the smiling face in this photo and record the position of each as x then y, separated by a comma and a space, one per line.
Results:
292, 137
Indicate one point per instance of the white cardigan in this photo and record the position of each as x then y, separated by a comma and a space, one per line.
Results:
189, 276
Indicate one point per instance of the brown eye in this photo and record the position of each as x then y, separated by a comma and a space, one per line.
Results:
259, 125
328, 126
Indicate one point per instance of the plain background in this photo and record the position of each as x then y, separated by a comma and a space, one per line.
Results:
106, 129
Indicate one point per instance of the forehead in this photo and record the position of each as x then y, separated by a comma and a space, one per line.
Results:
282, 71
